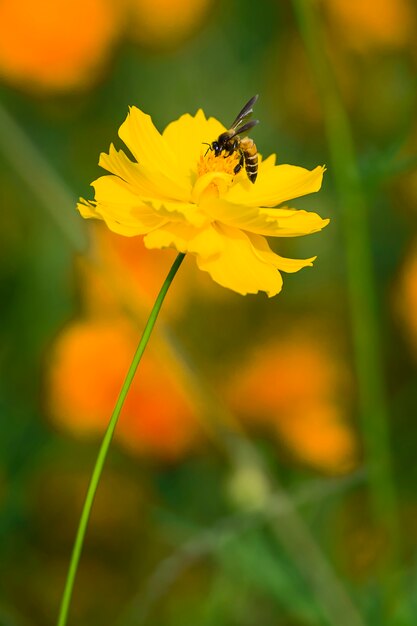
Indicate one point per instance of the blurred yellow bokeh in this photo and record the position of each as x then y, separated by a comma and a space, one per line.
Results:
406, 298
372, 25
165, 23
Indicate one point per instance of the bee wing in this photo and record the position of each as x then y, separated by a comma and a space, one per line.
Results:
246, 127
247, 110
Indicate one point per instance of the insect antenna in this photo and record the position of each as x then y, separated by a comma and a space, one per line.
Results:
206, 144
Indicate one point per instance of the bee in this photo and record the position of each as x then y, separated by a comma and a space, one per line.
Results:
230, 142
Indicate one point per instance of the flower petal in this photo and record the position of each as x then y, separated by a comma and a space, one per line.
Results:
118, 163
179, 211
240, 266
290, 266
204, 242
286, 222
280, 222
187, 135
154, 154
121, 209
87, 209
283, 264
275, 185
267, 163
210, 185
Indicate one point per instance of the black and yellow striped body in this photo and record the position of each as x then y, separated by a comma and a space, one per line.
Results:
247, 150
250, 156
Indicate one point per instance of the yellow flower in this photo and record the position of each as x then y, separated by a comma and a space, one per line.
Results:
180, 196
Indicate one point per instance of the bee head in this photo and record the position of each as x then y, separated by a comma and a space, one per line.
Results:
217, 146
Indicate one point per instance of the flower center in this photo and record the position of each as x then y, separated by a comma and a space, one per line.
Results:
212, 163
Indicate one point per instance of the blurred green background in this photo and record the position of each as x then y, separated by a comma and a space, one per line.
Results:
276, 485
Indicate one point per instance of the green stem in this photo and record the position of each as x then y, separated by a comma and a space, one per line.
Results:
373, 405
104, 448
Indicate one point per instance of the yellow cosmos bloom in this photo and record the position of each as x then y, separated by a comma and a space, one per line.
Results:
178, 196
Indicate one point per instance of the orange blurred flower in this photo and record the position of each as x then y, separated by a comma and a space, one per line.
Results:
91, 356
56, 44
89, 360
361, 37
292, 388
63, 45
373, 24
128, 276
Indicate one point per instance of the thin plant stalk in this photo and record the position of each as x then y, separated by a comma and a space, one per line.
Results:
104, 448
373, 406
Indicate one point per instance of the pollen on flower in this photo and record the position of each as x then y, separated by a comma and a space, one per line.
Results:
211, 163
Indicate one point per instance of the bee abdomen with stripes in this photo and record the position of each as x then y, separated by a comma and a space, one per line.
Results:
250, 156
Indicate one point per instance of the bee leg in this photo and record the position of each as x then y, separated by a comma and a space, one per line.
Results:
239, 166
233, 147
